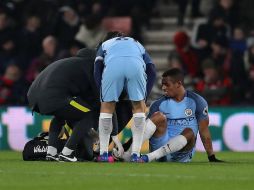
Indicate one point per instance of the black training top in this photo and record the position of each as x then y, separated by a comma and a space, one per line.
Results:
64, 79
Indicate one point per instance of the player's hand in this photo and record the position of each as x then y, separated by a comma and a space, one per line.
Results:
212, 158
120, 149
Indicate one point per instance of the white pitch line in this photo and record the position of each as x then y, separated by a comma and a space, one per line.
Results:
148, 175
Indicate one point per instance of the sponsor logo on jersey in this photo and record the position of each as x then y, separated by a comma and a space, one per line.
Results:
181, 121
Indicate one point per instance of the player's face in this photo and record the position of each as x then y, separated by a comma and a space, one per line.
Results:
169, 86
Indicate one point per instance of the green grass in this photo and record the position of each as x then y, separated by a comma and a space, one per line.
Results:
236, 173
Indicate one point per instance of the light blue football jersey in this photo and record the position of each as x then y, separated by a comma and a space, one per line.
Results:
122, 47
125, 61
181, 115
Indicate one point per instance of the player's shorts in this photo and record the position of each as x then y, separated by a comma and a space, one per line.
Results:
180, 156
124, 73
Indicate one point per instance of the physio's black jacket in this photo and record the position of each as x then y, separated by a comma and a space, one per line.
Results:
62, 80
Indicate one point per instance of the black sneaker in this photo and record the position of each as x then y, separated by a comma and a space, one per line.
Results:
67, 158
50, 157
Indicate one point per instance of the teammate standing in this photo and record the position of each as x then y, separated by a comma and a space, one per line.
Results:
122, 64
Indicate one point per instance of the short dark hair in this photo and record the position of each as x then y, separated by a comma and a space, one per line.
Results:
109, 36
112, 34
175, 73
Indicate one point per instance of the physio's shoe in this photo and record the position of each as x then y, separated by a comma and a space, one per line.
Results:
50, 157
67, 158
135, 158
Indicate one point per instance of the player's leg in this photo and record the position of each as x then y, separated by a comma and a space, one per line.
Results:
111, 88
80, 133
138, 128
73, 113
155, 127
136, 88
54, 130
105, 127
183, 142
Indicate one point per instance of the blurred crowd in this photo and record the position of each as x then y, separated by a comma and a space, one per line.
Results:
35, 33
218, 59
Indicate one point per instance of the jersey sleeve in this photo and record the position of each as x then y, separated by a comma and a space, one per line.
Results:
153, 108
147, 59
201, 109
150, 72
99, 66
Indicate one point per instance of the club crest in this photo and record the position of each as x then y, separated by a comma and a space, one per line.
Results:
188, 112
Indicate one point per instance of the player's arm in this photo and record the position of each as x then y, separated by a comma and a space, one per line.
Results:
150, 72
207, 140
99, 66
205, 135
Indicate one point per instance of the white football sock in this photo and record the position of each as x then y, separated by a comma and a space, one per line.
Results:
52, 150
105, 129
150, 128
137, 132
173, 145
66, 151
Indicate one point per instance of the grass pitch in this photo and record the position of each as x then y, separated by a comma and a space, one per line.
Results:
236, 173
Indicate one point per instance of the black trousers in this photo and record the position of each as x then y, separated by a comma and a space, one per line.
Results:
79, 116
81, 122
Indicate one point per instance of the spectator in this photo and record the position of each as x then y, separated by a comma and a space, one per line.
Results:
228, 10
49, 55
12, 87
184, 53
216, 27
238, 42
91, 32
215, 87
220, 54
246, 14
66, 26
7, 42
29, 41
238, 48
182, 7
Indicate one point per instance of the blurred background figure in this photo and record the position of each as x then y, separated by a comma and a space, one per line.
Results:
227, 9
29, 40
214, 87
182, 7
185, 53
185, 58
7, 42
66, 26
91, 32
13, 87
49, 55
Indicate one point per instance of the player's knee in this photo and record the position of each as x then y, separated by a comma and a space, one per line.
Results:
190, 136
138, 106
160, 121
159, 118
